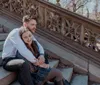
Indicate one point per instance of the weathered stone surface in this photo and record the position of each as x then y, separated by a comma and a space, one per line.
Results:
1, 45
67, 73
80, 80
53, 63
3, 36
6, 77
94, 72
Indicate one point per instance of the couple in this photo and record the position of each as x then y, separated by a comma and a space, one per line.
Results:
23, 54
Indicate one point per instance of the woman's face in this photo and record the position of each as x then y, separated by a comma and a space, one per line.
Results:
27, 37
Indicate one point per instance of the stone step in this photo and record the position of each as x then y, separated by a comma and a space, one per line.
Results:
3, 36
53, 63
80, 80
1, 45
67, 73
95, 84
6, 77
0, 54
1, 29
0, 58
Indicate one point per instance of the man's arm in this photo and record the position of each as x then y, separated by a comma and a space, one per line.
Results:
41, 49
20, 46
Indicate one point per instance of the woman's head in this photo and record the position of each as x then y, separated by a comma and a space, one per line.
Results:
26, 35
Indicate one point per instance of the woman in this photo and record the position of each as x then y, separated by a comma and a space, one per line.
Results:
41, 72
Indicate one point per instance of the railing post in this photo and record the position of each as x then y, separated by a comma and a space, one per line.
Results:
82, 35
10, 5
24, 7
45, 18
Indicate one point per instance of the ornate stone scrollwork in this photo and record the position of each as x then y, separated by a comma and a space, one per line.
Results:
71, 29
4, 3
53, 21
32, 9
16, 6
90, 38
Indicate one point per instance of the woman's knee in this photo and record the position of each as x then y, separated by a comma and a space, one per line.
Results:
58, 74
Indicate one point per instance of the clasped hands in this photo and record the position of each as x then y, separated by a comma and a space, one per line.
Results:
40, 61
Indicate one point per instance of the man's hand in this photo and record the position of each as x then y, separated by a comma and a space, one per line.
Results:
36, 63
41, 59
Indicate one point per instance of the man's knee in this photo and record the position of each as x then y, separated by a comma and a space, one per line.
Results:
13, 65
25, 65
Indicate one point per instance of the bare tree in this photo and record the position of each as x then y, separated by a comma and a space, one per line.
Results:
75, 5
96, 10
87, 13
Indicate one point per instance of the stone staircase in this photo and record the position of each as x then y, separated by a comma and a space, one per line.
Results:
76, 79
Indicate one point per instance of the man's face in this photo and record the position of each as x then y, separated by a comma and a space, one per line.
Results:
31, 25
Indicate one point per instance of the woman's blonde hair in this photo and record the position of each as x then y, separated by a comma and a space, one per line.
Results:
22, 30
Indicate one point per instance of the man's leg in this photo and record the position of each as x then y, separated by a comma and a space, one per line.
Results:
22, 67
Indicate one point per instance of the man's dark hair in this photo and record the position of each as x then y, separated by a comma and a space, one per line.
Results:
27, 18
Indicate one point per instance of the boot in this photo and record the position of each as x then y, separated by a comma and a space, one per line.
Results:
61, 82
58, 82
65, 82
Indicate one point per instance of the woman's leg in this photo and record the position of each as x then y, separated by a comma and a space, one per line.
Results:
55, 75
22, 67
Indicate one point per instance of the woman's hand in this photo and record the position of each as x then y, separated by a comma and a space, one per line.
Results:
41, 59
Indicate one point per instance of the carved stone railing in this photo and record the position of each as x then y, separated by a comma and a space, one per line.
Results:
57, 21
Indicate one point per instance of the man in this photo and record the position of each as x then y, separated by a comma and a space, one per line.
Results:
14, 43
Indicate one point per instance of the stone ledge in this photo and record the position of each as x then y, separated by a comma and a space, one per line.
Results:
94, 72
8, 79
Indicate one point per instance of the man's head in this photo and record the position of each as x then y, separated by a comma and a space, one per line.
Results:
30, 23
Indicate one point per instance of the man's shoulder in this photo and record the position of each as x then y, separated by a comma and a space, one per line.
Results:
14, 31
